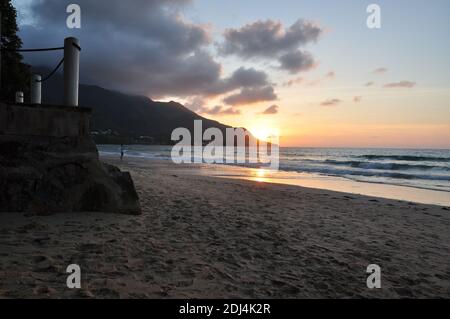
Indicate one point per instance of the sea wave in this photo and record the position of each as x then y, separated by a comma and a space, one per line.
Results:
366, 173
413, 168
386, 166
409, 158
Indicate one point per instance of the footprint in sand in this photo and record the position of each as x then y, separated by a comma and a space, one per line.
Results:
44, 264
41, 240
185, 283
44, 291
90, 247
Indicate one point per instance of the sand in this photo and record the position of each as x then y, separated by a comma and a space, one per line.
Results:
208, 237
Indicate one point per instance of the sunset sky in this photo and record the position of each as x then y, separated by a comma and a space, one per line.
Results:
312, 69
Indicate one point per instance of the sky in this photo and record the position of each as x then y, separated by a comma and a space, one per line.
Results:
311, 70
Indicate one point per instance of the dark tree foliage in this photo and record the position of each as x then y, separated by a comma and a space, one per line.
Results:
15, 75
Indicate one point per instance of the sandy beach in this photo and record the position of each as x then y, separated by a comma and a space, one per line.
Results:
209, 237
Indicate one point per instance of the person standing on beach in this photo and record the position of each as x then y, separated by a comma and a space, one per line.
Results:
121, 152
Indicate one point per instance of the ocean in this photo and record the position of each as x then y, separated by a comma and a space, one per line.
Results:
417, 169
429, 169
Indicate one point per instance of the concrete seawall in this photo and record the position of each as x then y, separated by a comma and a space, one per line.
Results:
44, 120
49, 164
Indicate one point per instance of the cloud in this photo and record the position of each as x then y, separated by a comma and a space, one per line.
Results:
146, 47
268, 38
291, 82
303, 81
271, 39
371, 83
251, 96
198, 105
297, 61
241, 78
248, 77
380, 70
220, 110
271, 110
331, 102
330, 75
158, 22
401, 84
357, 99
310, 83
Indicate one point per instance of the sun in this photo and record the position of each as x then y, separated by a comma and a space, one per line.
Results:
264, 131
261, 133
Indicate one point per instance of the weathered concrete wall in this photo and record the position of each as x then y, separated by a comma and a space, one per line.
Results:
49, 164
44, 120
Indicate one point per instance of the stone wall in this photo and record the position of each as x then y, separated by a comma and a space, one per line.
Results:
44, 120
49, 164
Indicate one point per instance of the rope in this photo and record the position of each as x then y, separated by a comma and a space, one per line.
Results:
53, 72
76, 46
33, 50
41, 50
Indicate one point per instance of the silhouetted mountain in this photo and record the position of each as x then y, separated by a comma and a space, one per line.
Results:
127, 116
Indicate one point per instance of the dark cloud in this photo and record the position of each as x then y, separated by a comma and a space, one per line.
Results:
401, 84
251, 96
139, 46
248, 78
297, 61
357, 99
370, 83
158, 22
330, 75
242, 77
220, 110
271, 110
331, 102
198, 105
268, 38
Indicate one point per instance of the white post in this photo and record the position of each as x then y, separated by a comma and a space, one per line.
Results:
71, 71
19, 97
35, 90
